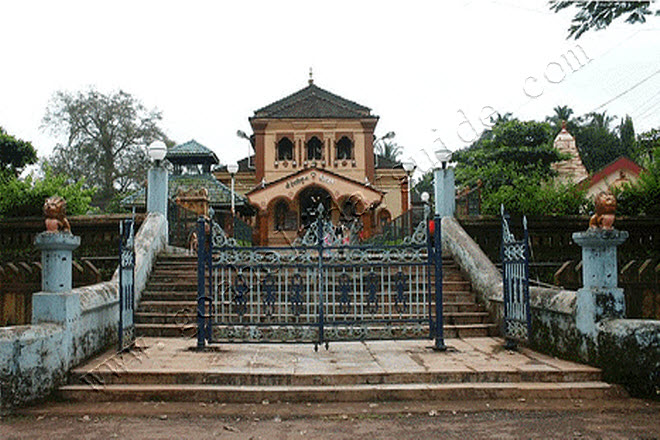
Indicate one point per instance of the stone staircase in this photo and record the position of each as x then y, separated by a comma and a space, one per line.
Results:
168, 304
169, 369
475, 366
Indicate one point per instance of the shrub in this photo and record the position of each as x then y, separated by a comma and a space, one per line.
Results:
24, 198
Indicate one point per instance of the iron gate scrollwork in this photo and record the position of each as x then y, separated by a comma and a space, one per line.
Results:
319, 290
126, 284
515, 277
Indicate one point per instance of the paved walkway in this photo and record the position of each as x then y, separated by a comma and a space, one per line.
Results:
465, 356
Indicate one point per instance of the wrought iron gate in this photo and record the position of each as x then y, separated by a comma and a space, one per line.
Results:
319, 290
126, 284
515, 277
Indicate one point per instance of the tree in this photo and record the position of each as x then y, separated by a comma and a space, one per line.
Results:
647, 143
563, 113
597, 143
514, 166
15, 154
425, 184
600, 14
641, 197
106, 139
627, 136
389, 150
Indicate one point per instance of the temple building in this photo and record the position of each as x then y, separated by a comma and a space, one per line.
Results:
314, 147
571, 170
615, 174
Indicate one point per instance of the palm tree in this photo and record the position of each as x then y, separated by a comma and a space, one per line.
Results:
600, 120
389, 150
562, 113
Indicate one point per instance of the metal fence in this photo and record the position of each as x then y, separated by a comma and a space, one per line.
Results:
395, 231
318, 291
515, 278
126, 284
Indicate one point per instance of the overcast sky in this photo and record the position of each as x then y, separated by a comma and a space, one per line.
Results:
423, 67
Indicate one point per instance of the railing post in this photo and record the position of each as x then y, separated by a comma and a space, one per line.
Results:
126, 284
211, 287
437, 253
430, 236
201, 284
319, 226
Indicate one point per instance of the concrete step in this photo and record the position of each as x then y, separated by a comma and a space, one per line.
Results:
183, 295
190, 277
176, 306
464, 318
338, 393
189, 315
80, 376
187, 327
470, 330
186, 284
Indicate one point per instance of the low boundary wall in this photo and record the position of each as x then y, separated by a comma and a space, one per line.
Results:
628, 351
69, 327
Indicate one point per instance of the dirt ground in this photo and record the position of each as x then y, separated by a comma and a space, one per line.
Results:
557, 419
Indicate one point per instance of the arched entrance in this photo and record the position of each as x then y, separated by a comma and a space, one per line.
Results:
309, 200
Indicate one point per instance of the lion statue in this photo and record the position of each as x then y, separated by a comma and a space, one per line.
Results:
605, 207
55, 211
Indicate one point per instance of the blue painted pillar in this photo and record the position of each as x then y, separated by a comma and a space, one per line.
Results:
56, 260
55, 303
599, 298
157, 190
444, 191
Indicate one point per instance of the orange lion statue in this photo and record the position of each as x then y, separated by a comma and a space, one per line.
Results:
605, 207
55, 211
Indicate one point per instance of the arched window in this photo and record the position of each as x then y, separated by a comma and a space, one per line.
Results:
348, 209
314, 149
285, 219
344, 148
285, 149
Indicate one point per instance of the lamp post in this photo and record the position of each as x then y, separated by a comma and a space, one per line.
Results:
232, 168
443, 185
243, 135
157, 179
409, 168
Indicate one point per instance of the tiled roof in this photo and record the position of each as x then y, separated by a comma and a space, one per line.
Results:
620, 163
191, 150
313, 102
219, 194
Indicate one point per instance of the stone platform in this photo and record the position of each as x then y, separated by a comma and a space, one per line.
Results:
167, 369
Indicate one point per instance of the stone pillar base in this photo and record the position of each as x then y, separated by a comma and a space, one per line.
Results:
60, 307
594, 305
600, 298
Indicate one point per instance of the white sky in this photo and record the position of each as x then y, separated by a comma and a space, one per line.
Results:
207, 65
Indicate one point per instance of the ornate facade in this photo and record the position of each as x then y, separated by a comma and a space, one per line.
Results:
314, 147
